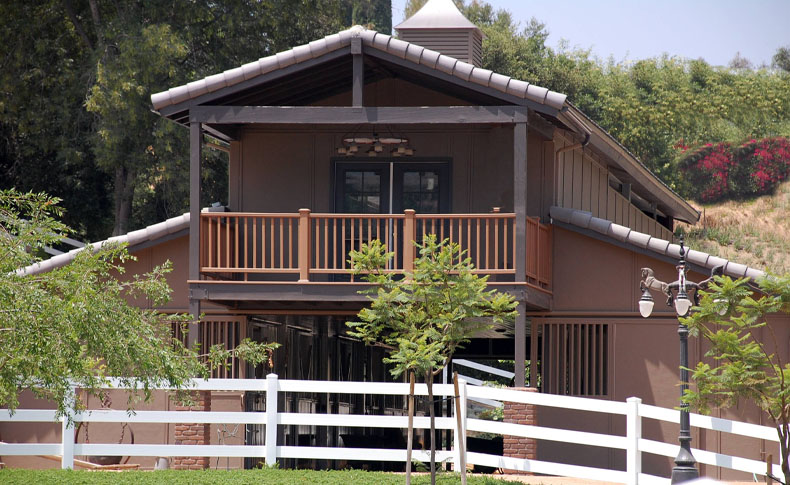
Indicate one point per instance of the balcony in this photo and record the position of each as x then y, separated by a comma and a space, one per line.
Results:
312, 248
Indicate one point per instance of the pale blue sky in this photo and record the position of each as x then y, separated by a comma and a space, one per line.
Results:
636, 29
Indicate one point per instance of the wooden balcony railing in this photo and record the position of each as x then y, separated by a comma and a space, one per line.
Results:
314, 247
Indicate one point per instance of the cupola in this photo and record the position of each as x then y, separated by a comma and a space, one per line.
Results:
441, 27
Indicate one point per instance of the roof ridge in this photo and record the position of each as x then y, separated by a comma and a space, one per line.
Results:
371, 38
625, 234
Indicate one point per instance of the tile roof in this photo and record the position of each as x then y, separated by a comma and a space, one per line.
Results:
372, 39
140, 236
585, 220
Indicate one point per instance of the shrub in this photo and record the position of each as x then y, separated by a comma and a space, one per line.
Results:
706, 172
720, 171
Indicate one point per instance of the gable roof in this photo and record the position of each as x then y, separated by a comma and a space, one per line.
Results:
335, 49
414, 53
639, 240
159, 232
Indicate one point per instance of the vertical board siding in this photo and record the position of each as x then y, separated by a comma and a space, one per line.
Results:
574, 358
583, 185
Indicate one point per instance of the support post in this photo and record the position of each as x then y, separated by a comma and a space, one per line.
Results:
520, 199
271, 419
409, 230
195, 156
520, 343
633, 426
304, 245
67, 432
520, 253
358, 74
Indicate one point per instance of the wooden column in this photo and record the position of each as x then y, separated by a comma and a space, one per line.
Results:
195, 156
520, 209
304, 246
409, 234
358, 74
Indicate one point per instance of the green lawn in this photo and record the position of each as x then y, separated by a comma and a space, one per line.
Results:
233, 477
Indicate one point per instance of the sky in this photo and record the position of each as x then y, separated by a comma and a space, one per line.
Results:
630, 30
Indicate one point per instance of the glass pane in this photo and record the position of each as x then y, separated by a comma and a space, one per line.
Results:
411, 201
430, 181
430, 203
411, 181
372, 204
352, 203
371, 182
353, 181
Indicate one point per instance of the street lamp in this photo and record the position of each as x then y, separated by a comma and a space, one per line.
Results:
679, 294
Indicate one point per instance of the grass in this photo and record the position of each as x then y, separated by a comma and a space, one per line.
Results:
233, 477
753, 232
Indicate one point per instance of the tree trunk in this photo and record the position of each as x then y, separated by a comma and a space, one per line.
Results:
410, 436
124, 190
431, 410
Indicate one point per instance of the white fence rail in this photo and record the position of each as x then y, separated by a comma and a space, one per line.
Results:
633, 443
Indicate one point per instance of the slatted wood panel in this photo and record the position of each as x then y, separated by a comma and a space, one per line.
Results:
574, 358
229, 332
538, 260
582, 184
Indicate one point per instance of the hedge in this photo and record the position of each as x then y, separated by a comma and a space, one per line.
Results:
722, 171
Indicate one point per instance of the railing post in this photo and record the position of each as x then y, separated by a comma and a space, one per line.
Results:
409, 231
633, 434
67, 433
304, 245
271, 419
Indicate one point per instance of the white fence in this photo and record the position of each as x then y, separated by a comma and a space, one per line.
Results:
633, 443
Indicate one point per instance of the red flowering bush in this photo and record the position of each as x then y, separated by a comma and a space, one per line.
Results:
721, 171
766, 162
706, 172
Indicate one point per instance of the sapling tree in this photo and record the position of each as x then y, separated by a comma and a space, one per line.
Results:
747, 361
424, 316
74, 325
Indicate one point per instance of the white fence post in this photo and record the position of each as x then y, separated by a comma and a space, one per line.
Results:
458, 460
67, 431
271, 419
633, 433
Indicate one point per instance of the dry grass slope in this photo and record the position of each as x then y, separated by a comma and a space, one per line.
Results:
754, 232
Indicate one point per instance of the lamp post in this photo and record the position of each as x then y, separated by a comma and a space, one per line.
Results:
677, 294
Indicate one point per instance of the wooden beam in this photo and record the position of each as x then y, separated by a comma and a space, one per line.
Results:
195, 155
437, 74
347, 115
358, 75
520, 198
520, 208
520, 344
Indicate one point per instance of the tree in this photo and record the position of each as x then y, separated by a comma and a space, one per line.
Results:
426, 315
781, 59
74, 326
746, 353
75, 85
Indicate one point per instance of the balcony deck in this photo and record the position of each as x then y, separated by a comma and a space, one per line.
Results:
307, 253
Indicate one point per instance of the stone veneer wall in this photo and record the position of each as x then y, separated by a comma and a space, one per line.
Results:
515, 446
193, 434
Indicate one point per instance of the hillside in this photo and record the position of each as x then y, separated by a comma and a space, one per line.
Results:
754, 232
